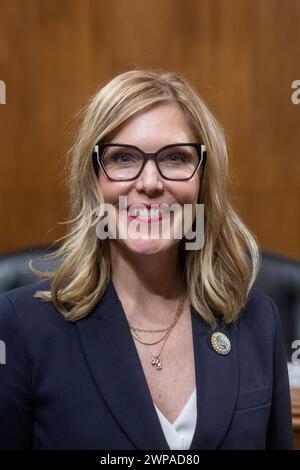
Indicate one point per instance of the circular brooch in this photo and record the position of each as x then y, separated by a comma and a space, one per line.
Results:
220, 343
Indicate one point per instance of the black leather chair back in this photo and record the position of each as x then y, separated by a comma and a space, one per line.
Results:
279, 278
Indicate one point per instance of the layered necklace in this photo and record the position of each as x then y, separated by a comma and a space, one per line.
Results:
156, 360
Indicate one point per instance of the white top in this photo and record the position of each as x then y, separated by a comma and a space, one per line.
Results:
179, 435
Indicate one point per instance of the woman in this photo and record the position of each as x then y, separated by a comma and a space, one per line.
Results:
140, 342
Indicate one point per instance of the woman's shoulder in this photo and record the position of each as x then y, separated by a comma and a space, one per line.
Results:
23, 296
20, 306
259, 307
31, 327
259, 320
25, 291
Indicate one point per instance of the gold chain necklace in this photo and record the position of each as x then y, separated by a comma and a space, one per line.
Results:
156, 361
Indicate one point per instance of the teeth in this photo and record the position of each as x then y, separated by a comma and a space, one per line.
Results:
146, 213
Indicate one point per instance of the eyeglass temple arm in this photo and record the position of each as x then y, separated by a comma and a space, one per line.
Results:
95, 159
96, 153
203, 162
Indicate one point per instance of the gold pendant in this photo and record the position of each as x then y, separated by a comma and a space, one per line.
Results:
156, 361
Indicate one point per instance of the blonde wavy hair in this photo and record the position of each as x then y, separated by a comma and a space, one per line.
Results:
220, 275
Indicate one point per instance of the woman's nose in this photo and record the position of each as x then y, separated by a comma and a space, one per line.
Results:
150, 179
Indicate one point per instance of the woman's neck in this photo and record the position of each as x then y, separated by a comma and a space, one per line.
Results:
147, 285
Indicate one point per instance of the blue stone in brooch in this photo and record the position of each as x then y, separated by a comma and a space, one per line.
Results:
220, 343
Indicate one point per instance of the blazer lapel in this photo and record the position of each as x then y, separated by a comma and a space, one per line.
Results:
115, 365
216, 382
116, 368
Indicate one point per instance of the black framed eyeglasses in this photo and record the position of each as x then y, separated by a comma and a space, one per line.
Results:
175, 162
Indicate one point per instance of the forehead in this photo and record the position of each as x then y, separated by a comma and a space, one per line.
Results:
154, 127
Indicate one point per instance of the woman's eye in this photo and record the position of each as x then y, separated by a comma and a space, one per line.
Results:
123, 157
175, 157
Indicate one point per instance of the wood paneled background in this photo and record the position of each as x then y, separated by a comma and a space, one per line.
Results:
242, 55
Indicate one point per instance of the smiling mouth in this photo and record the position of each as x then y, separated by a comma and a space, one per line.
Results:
148, 215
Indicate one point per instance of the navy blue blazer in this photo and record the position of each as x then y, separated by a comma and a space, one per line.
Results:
81, 385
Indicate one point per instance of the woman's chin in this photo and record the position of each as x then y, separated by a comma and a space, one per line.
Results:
147, 246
